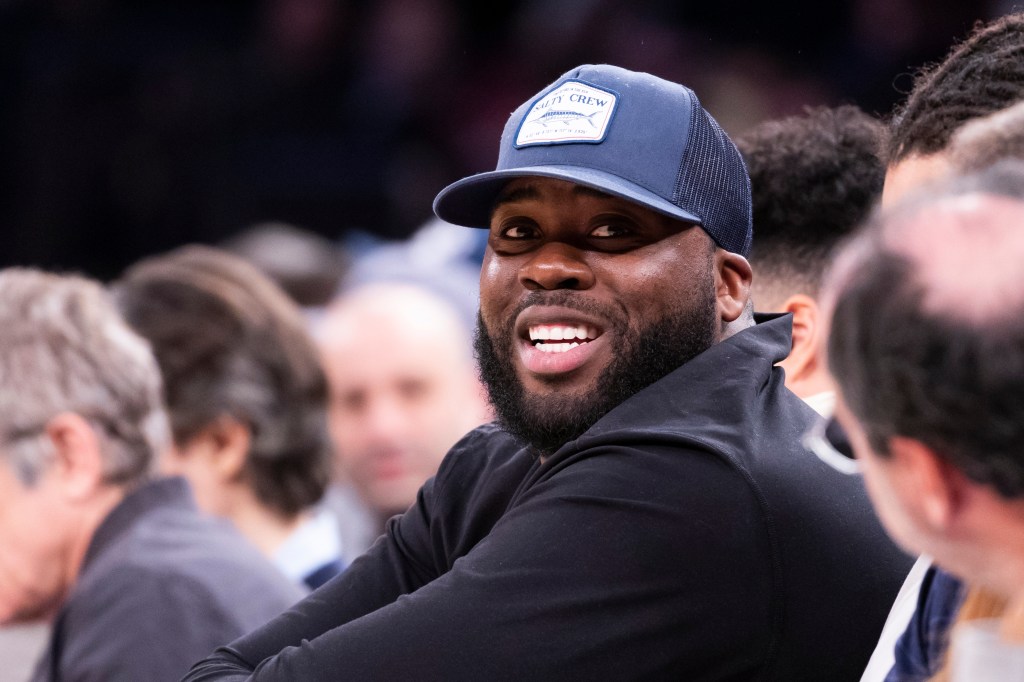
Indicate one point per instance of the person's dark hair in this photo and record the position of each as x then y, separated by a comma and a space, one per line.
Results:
982, 74
813, 179
229, 342
906, 369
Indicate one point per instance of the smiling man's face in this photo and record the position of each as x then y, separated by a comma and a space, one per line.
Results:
584, 300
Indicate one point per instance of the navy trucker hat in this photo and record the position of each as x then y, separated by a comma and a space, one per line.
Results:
629, 134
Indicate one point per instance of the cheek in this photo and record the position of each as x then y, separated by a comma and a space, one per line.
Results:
342, 423
496, 277
490, 271
30, 576
654, 288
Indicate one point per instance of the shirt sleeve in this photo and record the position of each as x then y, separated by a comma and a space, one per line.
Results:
399, 562
593, 573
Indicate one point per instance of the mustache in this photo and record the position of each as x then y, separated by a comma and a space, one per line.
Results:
573, 300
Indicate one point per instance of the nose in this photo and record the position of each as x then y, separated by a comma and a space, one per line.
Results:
556, 265
385, 420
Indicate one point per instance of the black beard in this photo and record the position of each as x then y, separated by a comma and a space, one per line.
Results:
642, 357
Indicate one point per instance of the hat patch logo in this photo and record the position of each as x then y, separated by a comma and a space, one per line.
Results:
572, 112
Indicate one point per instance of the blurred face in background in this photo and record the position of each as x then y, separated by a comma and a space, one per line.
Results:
32, 547
403, 390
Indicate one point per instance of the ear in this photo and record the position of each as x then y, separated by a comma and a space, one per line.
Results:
225, 444
802, 361
78, 455
732, 284
938, 488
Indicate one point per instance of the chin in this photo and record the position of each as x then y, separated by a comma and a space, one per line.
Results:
393, 502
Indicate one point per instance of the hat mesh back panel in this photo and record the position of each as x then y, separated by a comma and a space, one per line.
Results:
712, 183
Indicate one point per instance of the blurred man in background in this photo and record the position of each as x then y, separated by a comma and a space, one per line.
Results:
137, 583
247, 400
981, 75
925, 342
404, 389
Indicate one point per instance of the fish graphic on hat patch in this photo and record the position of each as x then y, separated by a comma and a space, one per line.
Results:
573, 112
565, 118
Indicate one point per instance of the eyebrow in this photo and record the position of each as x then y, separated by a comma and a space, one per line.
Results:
530, 192
519, 194
591, 192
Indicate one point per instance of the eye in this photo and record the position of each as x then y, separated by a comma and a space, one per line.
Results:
351, 401
518, 231
610, 231
413, 389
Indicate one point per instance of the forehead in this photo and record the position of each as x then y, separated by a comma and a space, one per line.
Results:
915, 171
555, 192
563, 202
379, 337
386, 359
559, 199
536, 187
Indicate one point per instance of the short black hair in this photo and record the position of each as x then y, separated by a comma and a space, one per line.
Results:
905, 369
230, 342
813, 178
980, 75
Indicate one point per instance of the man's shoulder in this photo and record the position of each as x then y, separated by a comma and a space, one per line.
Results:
739, 410
477, 481
145, 610
488, 450
174, 549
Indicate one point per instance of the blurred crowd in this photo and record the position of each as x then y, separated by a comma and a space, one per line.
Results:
275, 344
129, 129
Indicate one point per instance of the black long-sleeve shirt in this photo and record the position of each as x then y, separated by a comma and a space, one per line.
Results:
686, 535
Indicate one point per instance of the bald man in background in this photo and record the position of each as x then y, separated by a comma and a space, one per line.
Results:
404, 389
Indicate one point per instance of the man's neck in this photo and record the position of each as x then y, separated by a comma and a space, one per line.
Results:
264, 527
88, 518
744, 321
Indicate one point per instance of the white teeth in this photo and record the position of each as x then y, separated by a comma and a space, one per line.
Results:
562, 333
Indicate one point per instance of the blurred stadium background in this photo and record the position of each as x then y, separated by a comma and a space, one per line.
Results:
129, 128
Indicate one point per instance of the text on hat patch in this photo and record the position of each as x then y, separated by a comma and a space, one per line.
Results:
573, 112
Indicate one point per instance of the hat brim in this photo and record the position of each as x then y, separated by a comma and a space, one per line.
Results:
469, 201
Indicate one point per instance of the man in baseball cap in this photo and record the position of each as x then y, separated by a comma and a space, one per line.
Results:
643, 508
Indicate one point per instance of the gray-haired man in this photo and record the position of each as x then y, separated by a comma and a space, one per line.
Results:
138, 584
